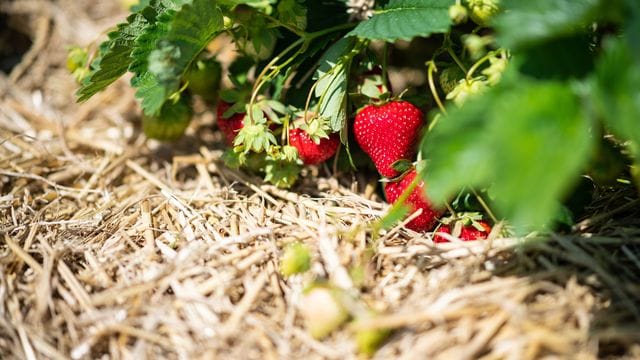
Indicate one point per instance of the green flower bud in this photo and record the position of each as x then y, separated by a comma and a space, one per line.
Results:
458, 14
482, 11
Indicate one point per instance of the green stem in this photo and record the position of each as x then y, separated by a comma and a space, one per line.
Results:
318, 33
277, 22
447, 45
431, 67
303, 42
385, 55
456, 59
346, 63
478, 64
260, 79
485, 206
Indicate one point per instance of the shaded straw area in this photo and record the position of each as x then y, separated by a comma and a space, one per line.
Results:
112, 245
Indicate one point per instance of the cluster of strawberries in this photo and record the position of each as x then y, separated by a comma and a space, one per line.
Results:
388, 133
310, 152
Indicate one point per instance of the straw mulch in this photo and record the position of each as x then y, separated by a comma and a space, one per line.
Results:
117, 247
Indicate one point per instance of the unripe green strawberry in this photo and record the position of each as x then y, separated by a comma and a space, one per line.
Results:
416, 200
296, 259
458, 14
482, 11
77, 58
370, 340
322, 311
309, 151
170, 123
388, 133
204, 78
449, 77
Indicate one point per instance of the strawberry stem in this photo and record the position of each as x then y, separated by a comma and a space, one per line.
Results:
456, 59
385, 56
270, 70
486, 207
431, 68
263, 78
478, 63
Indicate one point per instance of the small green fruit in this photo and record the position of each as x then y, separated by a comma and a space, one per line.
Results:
204, 78
170, 123
296, 259
482, 11
449, 77
370, 340
76, 58
322, 311
458, 14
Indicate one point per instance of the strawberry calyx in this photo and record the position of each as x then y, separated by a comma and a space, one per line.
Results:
373, 84
464, 226
315, 127
403, 167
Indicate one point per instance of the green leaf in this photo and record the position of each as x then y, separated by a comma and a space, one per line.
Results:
527, 140
150, 93
524, 23
145, 44
405, 19
293, 12
165, 50
331, 90
396, 213
282, 174
116, 54
113, 57
632, 26
617, 91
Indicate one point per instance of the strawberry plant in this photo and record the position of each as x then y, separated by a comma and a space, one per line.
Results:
515, 100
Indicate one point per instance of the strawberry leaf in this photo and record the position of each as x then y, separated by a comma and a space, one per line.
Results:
616, 93
508, 139
331, 89
293, 13
282, 174
406, 19
397, 212
175, 42
113, 57
524, 23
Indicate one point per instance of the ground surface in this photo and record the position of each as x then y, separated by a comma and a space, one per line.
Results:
116, 247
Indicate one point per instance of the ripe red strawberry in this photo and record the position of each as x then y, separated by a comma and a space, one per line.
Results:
388, 133
310, 152
416, 200
468, 232
229, 126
